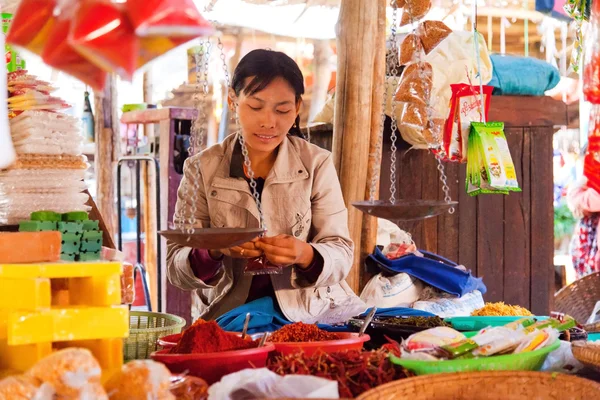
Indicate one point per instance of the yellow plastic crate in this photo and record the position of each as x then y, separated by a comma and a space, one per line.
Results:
60, 270
64, 324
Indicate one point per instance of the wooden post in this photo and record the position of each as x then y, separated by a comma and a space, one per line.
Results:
369, 228
149, 204
321, 78
357, 32
108, 150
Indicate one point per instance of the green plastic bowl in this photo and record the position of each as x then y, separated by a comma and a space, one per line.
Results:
531, 361
479, 323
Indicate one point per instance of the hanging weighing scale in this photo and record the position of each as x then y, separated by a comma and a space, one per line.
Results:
400, 210
186, 232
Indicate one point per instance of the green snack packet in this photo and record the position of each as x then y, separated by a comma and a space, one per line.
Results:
14, 62
495, 154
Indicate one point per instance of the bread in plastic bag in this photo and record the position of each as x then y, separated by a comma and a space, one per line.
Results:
116, 49
414, 10
31, 24
20, 387
434, 134
140, 380
170, 18
413, 116
127, 284
432, 33
60, 54
410, 48
398, 3
72, 373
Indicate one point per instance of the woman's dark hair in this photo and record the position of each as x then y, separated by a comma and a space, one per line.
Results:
264, 66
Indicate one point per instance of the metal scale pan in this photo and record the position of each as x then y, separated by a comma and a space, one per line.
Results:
212, 238
404, 210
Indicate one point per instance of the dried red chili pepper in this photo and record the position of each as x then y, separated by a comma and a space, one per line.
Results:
208, 337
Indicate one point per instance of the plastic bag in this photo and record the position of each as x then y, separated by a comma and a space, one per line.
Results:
32, 24
116, 49
154, 47
413, 116
465, 108
432, 33
167, 18
127, 284
189, 388
264, 384
140, 380
60, 54
72, 373
393, 291
452, 307
415, 84
562, 360
414, 10
261, 266
410, 48
23, 387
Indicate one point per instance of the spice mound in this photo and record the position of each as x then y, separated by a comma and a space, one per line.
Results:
301, 332
419, 322
208, 337
501, 310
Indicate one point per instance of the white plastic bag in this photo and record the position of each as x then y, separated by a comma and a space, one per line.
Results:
262, 383
456, 307
562, 360
395, 291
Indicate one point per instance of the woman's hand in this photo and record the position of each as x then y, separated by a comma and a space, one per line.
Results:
246, 250
286, 250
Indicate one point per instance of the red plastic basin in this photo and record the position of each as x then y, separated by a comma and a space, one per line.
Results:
347, 341
213, 366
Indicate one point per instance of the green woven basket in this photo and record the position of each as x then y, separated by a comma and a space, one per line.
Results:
531, 361
145, 328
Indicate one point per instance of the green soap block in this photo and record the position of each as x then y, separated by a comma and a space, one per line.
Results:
70, 243
70, 227
90, 225
67, 257
90, 247
95, 256
92, 235
45, 216
75, 216
36, 226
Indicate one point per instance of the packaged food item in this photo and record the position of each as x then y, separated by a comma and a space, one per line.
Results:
414, 116
465, 107
415, 84
398, 3
168, 18
127, 284
431, 33
31, 24
434, 135
14, 62
261, 266
153, 47
72, 373
410, 48
189, 388
496, 168
414, 10
116, 48
60, 54
537, 340
140, 380
432, 339
21, 387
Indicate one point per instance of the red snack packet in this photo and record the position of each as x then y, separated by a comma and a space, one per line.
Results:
59, 53
101, 32
261, 266
465, 108
154, 47
168, 18
31, 24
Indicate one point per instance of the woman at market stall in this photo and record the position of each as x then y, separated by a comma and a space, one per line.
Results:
301, 200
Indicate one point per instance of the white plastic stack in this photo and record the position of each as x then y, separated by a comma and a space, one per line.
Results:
50, 168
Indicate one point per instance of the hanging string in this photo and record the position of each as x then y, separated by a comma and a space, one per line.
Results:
478, 57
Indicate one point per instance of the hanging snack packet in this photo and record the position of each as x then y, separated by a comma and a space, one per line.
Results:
168, 18
413, 116
434, 136
465, 107
261, 266
432, 33
415, 84
154, 47
59, 53
410, 48
115, 49
414, 10
31, 24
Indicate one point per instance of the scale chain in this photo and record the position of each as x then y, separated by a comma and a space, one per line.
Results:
445, 188
394, 125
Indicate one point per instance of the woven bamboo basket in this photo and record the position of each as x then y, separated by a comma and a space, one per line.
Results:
588, 354
579, 298
496, 385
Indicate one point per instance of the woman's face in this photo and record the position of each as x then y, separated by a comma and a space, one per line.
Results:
266, 116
